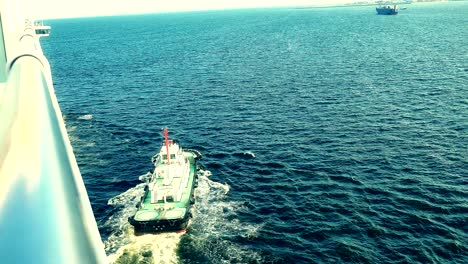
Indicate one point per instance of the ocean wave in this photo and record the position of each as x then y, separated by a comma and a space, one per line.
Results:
216, 227
245, 155
86, 117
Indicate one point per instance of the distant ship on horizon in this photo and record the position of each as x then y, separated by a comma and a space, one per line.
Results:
387, 10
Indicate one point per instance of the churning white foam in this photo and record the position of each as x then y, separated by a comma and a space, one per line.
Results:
250, 153
86, 117
215, 222
214, 219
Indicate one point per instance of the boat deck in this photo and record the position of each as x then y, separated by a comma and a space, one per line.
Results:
170, 209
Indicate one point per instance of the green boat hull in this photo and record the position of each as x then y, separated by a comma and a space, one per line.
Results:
170, 216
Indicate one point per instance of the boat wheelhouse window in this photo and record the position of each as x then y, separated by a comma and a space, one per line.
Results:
164, 157
172, 156
170, 199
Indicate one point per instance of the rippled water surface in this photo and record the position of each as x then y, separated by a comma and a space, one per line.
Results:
328, 135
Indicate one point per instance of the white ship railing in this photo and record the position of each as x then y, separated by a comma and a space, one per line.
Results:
45, 213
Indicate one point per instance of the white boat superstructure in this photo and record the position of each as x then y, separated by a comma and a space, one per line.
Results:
173, 168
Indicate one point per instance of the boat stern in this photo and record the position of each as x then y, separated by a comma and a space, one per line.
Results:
159, 226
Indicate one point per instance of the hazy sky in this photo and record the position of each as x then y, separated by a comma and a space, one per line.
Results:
79, 8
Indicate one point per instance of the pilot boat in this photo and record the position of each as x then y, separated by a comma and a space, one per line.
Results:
169, 192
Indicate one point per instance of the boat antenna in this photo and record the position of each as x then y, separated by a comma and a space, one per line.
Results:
166, 132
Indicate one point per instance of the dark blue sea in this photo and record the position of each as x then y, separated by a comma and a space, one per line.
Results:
329, 135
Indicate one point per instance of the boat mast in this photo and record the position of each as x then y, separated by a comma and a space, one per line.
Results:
165, 132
